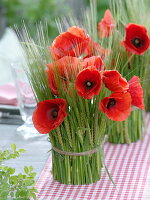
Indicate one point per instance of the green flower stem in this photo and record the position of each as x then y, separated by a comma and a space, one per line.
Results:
87, 108
126, 136
90, 134
68, 131
72, 170
127, 131
96, 122
59, 137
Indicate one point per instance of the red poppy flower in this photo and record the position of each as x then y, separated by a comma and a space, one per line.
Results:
136, 92
63, 70
49, 114
95, 61
117, 106
106, 25
136, 39
88, 82
114, 81
95, 49
70, 43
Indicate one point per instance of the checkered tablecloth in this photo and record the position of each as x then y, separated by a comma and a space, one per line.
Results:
129, 166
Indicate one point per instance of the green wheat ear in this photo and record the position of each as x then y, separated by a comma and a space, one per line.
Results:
37, 55
131, 10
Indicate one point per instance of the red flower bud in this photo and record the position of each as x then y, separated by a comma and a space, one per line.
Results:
106, 25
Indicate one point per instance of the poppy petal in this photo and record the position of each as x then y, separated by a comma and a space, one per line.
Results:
117, 106
136, 92
95, 61
95, 49
70, 43
51, 80
114, 81
63, 70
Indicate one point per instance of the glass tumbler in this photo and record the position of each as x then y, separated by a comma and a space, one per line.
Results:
26, 101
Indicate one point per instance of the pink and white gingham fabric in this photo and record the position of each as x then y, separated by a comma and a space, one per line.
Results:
129, 166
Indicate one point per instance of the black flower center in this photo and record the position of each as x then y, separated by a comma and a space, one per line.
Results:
54, 114
89, 84
136, 42
111, 103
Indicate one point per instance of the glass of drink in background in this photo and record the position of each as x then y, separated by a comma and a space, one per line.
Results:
26, 100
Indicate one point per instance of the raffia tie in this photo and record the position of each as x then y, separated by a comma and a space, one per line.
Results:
76, 153
95, 150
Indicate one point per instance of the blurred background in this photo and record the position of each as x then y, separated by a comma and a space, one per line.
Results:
12, 12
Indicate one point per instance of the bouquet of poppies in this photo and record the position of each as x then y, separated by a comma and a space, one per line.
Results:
79, 89
128, 33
